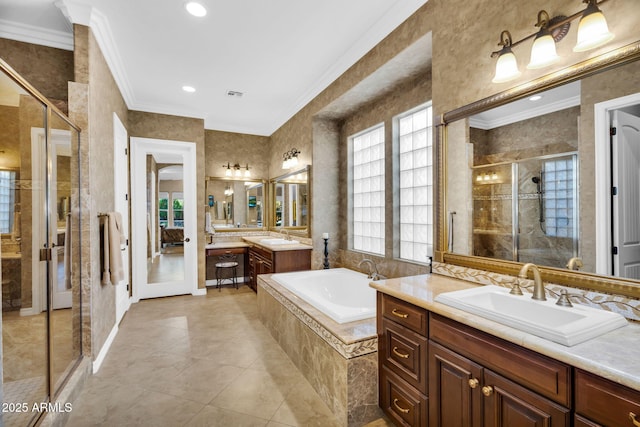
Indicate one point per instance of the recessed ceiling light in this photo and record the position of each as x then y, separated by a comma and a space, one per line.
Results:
535, 98
189, 89
196, 9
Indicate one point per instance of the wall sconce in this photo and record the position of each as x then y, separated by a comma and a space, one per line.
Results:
290, 159
592, 32
236, 170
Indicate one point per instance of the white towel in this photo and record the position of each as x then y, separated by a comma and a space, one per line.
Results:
207, 222
114, 237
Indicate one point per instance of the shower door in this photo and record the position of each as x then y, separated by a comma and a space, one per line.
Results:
547, 206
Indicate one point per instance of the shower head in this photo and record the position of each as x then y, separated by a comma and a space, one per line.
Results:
536, 180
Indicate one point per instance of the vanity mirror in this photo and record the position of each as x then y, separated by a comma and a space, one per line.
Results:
291, 194
531, 181
234, 205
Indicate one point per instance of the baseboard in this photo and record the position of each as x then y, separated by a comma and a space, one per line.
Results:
28, 311
199, 292
105, 349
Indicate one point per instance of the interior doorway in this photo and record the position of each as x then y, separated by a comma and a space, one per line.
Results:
164, 226
617, 128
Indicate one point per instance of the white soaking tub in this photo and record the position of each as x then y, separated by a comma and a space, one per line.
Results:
342, 294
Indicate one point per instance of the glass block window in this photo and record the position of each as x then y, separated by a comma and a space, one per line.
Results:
7, 200
415, 151
559, 194
367, 174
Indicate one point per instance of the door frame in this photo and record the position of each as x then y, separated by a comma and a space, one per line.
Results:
140, 148
602, 121
121, 186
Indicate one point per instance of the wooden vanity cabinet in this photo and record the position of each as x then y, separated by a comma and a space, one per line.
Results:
476, 379
600, 402
402, 358
265, 261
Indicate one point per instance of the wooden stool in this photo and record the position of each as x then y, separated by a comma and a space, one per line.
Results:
227, 269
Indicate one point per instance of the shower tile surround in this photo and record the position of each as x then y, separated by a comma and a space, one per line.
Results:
339, 361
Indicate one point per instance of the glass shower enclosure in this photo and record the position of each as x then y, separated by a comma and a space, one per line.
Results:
527, 210
39, 248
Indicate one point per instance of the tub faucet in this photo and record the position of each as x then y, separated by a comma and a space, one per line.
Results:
575, 263
373, 269
538, 285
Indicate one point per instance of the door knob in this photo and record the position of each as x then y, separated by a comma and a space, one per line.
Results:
473, 382
186, 239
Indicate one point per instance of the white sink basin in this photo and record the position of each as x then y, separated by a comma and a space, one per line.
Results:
276, 241
564, 325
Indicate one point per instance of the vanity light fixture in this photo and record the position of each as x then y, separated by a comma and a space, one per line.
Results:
290, 159
228, 172
247, 172
592, 32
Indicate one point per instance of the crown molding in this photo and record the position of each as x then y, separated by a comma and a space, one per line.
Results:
36, 35
524, 115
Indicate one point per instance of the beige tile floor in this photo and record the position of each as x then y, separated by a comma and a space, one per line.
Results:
198, 361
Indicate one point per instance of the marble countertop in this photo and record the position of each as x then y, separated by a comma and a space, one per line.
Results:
613, 355
285, 247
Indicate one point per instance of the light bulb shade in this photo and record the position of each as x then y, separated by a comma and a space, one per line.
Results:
228, 172
247, 173
543, 51
593, 30
238, 172
506, 67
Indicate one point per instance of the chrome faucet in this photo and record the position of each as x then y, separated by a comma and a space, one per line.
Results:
575, 263
285, 232
538, 285
373, 269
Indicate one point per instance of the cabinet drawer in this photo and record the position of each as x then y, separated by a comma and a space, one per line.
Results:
223, 251
604, 401
539, 373
406, 314
402, 403
405, 353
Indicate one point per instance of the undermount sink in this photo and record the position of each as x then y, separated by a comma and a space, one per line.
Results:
277, 241
565, 325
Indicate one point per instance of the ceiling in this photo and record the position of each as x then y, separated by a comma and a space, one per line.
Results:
279, 54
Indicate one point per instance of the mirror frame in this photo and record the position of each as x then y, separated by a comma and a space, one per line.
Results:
295, 230
265, 225
587, 281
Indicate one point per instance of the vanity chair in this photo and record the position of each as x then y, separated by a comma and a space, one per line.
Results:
227, 269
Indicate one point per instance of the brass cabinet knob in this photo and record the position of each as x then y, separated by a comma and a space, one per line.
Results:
633, 419
473, 383
487, 390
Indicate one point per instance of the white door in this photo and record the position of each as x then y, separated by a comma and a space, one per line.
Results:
625, 155
174, 270
121, 192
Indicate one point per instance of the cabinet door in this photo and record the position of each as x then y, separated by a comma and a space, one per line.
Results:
455, 399
507, 404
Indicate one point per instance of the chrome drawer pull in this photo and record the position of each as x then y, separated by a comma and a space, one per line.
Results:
399, 408
397, 353
633, 419
395, 312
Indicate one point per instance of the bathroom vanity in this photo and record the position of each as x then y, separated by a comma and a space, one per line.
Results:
275, 257
441, 366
